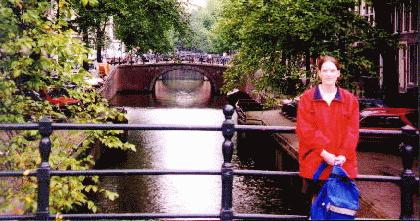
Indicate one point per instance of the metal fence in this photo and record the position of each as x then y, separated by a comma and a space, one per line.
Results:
407, 181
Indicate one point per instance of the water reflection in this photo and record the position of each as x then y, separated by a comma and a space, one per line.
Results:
185, 150
172, 93
171, 150
183, 93
182, 80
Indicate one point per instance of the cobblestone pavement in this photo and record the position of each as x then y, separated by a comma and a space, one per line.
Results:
378, 200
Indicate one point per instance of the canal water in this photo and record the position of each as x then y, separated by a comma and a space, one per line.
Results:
189, 102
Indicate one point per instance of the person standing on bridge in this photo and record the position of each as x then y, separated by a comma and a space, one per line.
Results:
327, 127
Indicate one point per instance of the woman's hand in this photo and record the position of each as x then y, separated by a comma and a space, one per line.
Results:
340, 160
328, 157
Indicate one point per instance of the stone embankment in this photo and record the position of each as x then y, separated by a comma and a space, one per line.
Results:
378, 200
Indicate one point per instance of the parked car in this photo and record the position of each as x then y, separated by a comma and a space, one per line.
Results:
289, 107
386, 119
370, 102
58, 97
249, 105
235, 95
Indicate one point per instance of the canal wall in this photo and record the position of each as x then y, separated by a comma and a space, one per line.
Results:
288, 143
110, 87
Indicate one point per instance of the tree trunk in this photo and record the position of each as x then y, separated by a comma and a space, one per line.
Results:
58, 12
100, 39
308, 66
99, 43
85, 39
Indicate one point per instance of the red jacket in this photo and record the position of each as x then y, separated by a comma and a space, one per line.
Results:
334, 128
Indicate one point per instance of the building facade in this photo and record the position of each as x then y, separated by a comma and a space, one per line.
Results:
398, 69
404, 25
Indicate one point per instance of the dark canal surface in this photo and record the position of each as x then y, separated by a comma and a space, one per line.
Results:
189, 102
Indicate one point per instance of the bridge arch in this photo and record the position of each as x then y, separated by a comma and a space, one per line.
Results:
214, 87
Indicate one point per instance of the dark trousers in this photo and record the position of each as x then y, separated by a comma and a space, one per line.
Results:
310, 190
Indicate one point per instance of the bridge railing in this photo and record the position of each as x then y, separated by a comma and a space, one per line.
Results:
407, 181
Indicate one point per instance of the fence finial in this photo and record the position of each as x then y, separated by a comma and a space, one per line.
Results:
228, 111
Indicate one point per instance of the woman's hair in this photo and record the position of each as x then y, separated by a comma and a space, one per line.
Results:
324, 58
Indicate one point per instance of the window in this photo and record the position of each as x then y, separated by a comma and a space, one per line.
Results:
382, 122
407, 17
413, 65
393, 21
399, 19
413, 117
367, 11
402, 67
372, 20
414, 15
408, 58
370, 102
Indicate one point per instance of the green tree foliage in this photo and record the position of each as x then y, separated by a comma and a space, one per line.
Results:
142, 25
39, 52
150, 24
202, 23
282, 38
90, 20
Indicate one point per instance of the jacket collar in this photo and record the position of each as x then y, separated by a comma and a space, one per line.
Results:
317, 94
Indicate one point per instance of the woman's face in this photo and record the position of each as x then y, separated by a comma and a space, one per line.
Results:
329, 73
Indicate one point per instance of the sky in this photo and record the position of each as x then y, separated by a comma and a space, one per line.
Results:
199, 2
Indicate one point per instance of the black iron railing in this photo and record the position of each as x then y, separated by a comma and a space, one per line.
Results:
407, 181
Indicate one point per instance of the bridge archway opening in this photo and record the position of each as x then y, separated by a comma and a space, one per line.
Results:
183, 79
185, 88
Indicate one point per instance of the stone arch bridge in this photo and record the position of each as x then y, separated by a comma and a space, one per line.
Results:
142, 77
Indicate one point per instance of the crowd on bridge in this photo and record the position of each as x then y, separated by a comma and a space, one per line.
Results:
178, 57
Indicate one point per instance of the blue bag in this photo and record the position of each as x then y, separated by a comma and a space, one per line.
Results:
338, 197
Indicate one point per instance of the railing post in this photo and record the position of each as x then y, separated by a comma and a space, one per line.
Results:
408, 178
43, 172
228, 129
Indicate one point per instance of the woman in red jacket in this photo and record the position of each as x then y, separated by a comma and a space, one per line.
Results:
327, 126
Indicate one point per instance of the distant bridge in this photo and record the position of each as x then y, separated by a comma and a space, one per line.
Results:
143, 77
